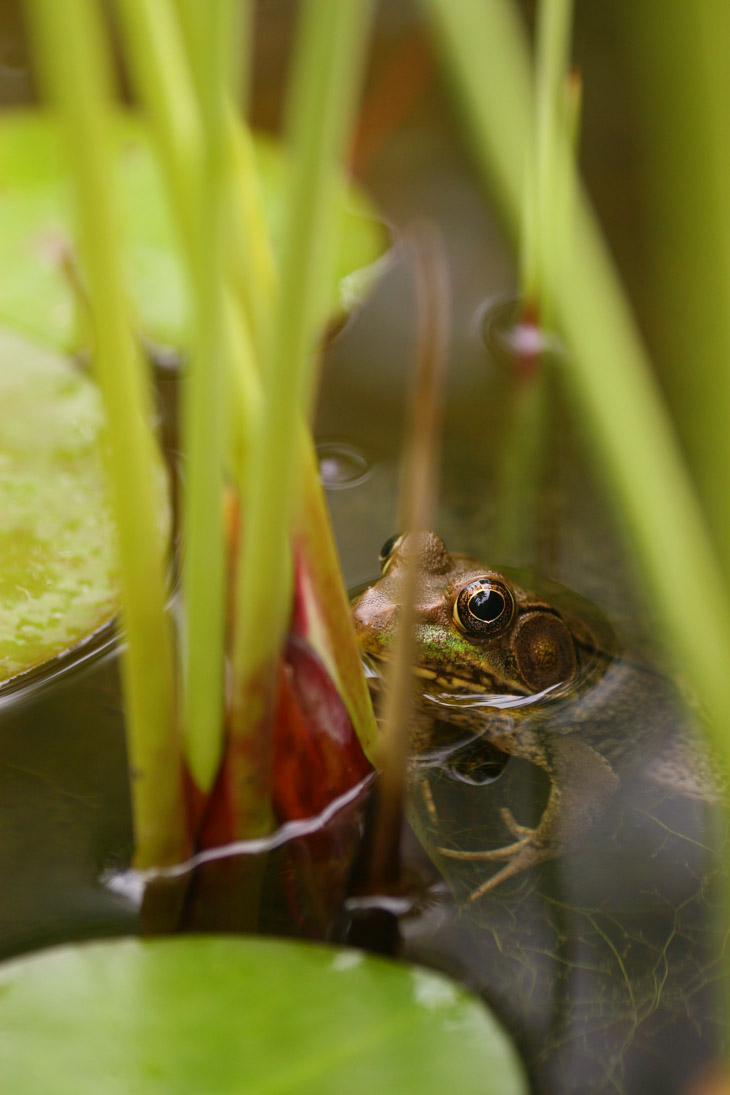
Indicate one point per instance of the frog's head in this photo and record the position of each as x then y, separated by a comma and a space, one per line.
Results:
476, 631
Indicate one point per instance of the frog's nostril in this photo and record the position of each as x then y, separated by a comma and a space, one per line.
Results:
374, 621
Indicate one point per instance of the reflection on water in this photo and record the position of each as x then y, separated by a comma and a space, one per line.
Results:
509, 336
579, 832
64, 801
341, 465
300, 870
603, 958
27, 686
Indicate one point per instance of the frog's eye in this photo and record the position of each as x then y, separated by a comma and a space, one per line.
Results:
484, 607
387, 550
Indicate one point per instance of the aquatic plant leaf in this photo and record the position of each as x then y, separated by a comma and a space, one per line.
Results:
317, 759
242, 1015
37, 294
322, 613
317, 755
58, 564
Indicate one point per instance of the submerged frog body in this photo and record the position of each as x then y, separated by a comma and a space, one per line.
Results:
492, 658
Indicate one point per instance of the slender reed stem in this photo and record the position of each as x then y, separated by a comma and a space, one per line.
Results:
553, 44
184, 82
157, 54
211, 39
418, 505
322, 97
243, 37
682, 81
567, 169
191, 126
250, 253
73, 60
609, 368
611, 376
523, 526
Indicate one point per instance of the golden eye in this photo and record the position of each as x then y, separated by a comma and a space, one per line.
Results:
484, 607
387, 550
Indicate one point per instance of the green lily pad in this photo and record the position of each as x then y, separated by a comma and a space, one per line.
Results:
36, 293
242, 1016
58, 569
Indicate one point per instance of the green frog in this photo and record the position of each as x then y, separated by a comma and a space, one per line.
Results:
536, 681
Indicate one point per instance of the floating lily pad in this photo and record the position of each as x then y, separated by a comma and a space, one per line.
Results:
36, 292
241, 1016
58, 569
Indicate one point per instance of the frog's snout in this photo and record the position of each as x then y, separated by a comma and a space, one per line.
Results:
372, 618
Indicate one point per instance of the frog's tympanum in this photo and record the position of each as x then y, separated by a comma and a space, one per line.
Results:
490, 656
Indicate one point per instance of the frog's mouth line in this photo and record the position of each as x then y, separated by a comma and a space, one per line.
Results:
456, 692
464, 692
485, 686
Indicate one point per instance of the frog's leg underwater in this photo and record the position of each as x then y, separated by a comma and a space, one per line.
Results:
582, 783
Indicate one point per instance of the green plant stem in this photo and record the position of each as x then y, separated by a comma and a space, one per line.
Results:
245, 40
250, 253
682, 80
189, 119
157, 53
211, 36
322, 98
554, 19
158, 65
544, 234
72, 57
567, 168
418, 500
519, 527
612, 380
329, 56
158, 61
609, 369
